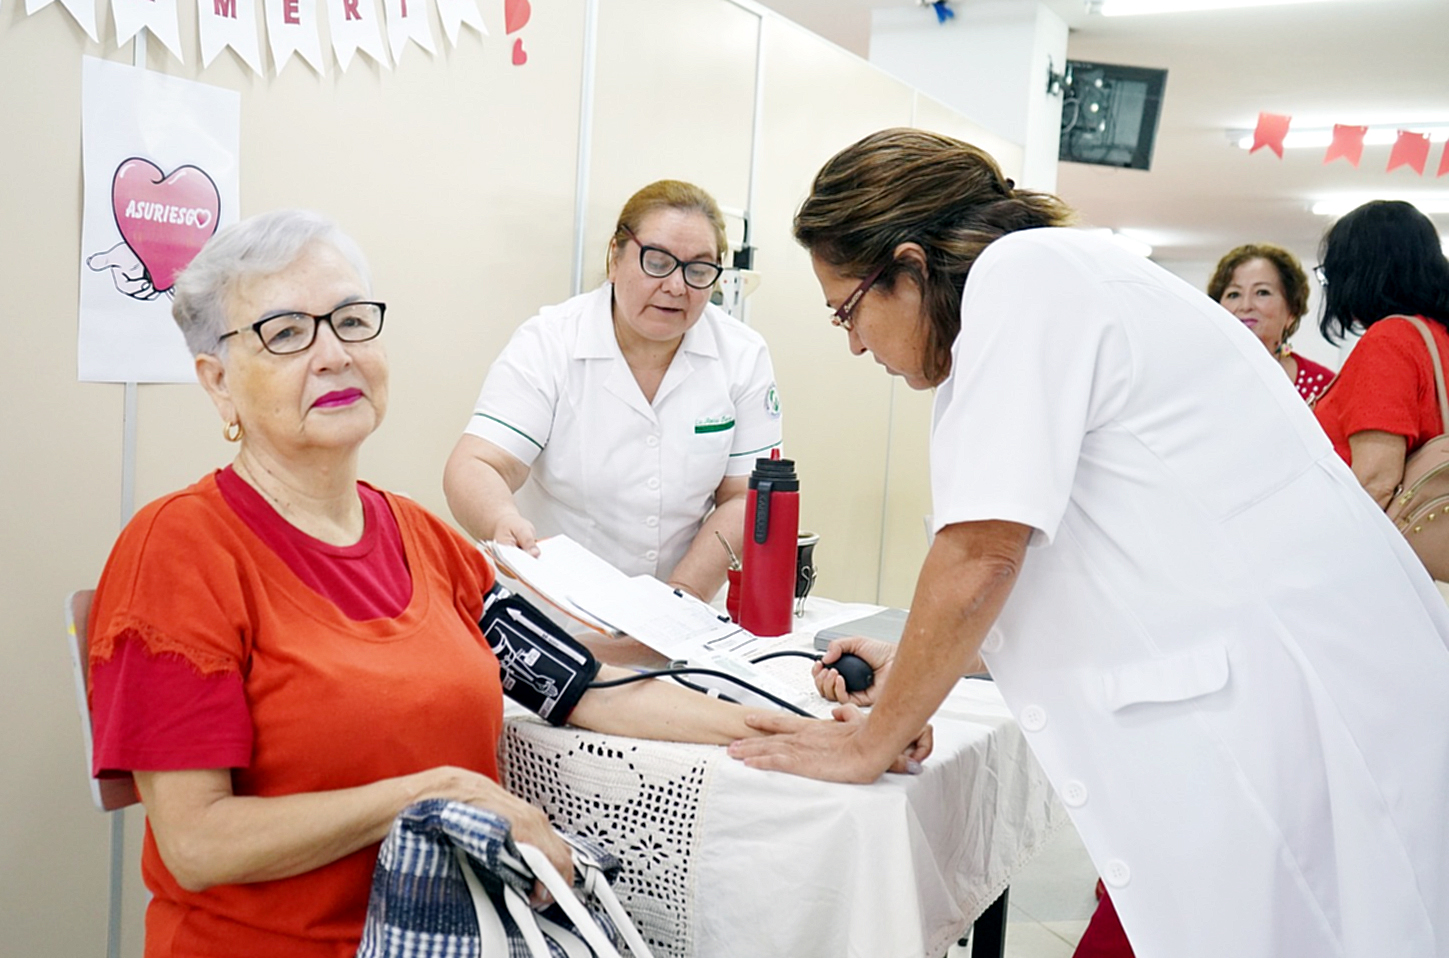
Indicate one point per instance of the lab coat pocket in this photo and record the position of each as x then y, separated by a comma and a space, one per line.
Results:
1174, 678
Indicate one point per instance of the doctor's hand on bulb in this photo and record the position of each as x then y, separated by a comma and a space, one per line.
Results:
831, 684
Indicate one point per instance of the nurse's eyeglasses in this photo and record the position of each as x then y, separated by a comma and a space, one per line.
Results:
844, 315
659, 263
295, 332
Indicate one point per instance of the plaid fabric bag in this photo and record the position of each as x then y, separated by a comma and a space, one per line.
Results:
451, 883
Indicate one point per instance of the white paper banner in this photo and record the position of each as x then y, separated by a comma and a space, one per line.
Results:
293, 27
157, 16
356, 25
454, 13
82, 11
160, 167
407, 20
229, 23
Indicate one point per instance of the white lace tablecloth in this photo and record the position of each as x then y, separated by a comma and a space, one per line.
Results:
723, 861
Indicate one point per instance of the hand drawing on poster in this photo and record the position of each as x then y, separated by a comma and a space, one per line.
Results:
160, 166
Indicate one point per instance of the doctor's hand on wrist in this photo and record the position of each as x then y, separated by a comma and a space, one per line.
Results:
514, 530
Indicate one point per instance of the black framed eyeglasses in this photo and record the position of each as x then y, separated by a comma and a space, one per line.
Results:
1320, 275
844, 314
289, 333
659, 263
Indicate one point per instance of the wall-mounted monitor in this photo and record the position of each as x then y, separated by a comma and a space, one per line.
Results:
1110, 113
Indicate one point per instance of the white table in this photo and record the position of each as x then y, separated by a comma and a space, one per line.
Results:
723, 861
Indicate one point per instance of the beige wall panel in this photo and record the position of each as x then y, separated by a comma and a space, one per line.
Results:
908, 494
908, 499
936, 116
683, 111
818, 100
60, 476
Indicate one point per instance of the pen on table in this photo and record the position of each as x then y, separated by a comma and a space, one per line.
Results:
734, 559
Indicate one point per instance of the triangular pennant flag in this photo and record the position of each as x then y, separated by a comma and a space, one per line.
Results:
1272, 127
157, 16
356, 25
1347, 143
82, 12
454, 13
407, 20
292, 27
1443, 161
515, 15
1411, 150
229, 23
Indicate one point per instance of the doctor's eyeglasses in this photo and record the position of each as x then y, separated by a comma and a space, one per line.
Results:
294, 332
844, 315
659, 263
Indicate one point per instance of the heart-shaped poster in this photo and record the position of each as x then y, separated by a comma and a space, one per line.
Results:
515, 15
165, 219
520, 55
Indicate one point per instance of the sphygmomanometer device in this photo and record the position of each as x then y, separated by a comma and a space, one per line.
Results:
542, 667
547, 671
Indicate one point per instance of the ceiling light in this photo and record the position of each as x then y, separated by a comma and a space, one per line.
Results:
1126, 242
1431, 205
1383, 134
1128, 8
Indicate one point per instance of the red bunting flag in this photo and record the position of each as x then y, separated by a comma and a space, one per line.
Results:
1444, 161
1272, 127
1411, 150
1347, 143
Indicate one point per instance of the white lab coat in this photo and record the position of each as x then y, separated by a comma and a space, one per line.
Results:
630, 481
1229, 663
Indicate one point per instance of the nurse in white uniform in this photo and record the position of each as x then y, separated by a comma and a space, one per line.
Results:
627, 418
1228, 661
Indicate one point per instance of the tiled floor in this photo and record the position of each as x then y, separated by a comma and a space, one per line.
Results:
1050, 902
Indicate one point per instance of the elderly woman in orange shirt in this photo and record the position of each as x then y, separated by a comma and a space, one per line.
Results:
284, 656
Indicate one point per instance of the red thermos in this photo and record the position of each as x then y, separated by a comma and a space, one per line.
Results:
772, 526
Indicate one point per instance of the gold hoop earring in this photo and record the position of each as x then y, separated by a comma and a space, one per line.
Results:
231, 431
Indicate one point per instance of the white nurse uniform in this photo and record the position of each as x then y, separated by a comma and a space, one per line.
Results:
629, 480
1228, 661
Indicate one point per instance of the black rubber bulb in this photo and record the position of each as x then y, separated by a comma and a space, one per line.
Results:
856, 671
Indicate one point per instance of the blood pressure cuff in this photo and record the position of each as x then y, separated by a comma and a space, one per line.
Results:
543, 668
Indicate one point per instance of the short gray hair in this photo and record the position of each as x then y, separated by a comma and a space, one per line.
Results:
257, 246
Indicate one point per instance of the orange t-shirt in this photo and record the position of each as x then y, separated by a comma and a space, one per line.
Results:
1386, 384
334, 703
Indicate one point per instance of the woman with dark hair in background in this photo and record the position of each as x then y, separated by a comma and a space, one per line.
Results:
1380, 263
1265, 287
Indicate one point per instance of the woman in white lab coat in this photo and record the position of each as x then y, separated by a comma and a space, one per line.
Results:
1231, 666
629, 417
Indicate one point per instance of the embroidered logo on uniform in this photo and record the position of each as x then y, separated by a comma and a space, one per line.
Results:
772, 402
713, 424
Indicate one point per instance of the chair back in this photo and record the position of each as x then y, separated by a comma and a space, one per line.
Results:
109, 794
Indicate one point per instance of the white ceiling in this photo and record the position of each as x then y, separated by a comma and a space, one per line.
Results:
1359, 62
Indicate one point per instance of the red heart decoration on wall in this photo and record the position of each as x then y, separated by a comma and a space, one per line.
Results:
165, 219
520, 55
515, 15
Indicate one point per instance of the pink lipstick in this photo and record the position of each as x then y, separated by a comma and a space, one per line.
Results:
341, 397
